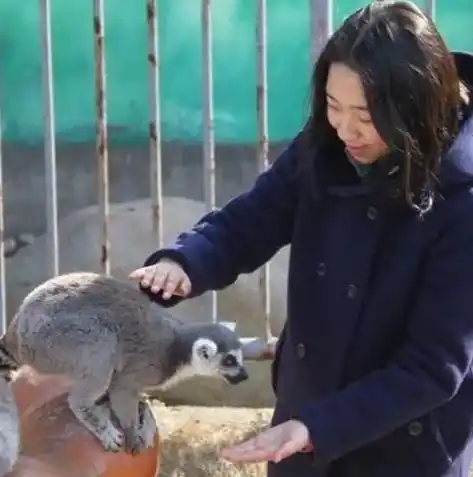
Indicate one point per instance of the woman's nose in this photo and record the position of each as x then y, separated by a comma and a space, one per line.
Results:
347, 130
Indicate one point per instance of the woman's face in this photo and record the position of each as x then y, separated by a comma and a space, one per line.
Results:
348, 114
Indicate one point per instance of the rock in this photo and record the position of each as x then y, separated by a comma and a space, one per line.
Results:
131, 241
10, 246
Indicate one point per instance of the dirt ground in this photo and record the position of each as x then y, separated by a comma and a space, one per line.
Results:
191, 437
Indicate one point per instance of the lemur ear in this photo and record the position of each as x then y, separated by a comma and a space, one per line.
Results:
205, 348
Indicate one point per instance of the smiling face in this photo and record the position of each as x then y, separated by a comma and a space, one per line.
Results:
348, 114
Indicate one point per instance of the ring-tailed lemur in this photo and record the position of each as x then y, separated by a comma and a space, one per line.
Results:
114, 345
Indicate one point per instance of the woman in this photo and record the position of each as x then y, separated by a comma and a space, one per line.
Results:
373, 374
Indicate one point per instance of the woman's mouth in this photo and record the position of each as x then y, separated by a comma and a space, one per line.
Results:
355, 151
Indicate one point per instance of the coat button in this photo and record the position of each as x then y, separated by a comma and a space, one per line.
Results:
321, 269
415, 428
351, 291
372, 213
300, 350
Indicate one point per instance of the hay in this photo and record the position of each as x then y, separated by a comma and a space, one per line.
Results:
192, 436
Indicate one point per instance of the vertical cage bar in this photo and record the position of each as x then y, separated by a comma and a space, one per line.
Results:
3, 307
102, 139
321, 26
208, 119
49, 140
262, 147
152, 14
430, 8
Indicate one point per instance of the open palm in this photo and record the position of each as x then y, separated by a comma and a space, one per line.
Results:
273, 444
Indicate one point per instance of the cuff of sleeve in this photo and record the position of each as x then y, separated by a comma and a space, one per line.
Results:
324, 441
169, 253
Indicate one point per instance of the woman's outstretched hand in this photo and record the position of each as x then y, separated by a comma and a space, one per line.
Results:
166, 275
273, 444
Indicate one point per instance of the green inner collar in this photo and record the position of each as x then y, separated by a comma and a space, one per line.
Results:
361, 169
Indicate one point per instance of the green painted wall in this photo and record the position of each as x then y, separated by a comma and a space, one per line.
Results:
234, 61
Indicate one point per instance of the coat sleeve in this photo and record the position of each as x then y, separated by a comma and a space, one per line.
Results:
241, 236
427, 371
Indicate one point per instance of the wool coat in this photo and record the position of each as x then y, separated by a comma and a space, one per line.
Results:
376, 353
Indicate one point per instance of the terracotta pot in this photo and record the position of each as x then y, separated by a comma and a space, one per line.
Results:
54, 444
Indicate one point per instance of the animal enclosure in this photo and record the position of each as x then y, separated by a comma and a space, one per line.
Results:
319, 16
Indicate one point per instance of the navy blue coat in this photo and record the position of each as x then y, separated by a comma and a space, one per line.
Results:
376, 354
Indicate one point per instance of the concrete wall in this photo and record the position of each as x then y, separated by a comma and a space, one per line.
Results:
24, 177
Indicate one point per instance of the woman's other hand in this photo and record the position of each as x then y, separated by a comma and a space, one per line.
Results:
166, 275
273, 444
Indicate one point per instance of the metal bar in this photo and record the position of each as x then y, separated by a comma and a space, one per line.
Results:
430, 8
155, 121
262, 147
321, 26
102, 140
3, 308
49, 140
208, 120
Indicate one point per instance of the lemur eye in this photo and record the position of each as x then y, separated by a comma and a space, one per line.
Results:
229, 361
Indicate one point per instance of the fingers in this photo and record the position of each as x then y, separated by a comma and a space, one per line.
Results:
285, 450
259, 449
152, 279
274, 444
170, 284
185, 286
138, 273
166, 276
253, 457
254, 450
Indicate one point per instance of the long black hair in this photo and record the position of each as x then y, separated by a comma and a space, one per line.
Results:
411, 85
